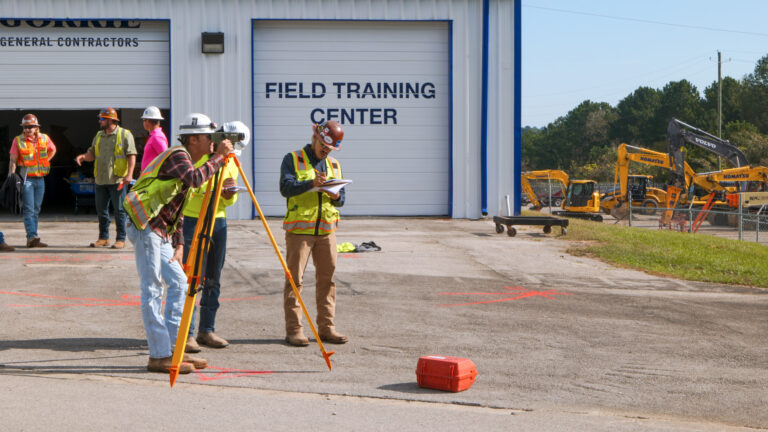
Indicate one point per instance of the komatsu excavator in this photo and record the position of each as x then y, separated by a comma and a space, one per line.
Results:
582, 199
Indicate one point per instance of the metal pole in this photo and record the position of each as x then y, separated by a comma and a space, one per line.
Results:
741, 216
509, 213
719, 103
629, 202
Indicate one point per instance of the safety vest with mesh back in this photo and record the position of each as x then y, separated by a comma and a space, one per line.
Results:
150, 193
312, 212
34, 156
121, 162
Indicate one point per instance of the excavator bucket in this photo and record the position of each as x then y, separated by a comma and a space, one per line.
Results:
620, 210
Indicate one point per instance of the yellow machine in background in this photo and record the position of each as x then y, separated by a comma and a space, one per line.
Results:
582, 199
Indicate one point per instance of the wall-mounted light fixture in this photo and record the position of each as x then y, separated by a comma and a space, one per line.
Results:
213, 43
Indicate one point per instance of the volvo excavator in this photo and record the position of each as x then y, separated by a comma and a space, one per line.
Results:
582, 199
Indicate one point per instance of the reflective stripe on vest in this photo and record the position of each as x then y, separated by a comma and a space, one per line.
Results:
148, 196
121, 163
311, 212
34, 157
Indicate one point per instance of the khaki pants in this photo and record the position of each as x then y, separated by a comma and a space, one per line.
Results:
323, 250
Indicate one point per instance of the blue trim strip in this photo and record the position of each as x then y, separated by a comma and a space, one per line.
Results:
518, 144
484, 115
450, 119
253, 122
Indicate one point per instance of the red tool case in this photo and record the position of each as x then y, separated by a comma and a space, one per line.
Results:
452, 374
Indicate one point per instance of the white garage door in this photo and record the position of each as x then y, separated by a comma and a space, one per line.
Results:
387, 83
83, 64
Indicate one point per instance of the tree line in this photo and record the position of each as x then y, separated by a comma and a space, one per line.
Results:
583, 142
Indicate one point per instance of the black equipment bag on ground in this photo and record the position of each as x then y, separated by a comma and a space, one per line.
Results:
10, 193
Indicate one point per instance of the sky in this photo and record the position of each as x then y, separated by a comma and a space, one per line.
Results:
603, 50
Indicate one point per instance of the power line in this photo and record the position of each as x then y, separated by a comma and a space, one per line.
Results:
649, 21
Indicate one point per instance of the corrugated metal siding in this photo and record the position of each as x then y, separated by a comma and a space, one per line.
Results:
220, 85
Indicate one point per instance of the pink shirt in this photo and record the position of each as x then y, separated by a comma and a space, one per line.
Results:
156, 144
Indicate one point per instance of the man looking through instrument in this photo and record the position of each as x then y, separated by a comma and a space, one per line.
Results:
154, 206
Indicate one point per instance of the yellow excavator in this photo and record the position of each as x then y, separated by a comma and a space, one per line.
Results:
549, 175
649, 198
582, 199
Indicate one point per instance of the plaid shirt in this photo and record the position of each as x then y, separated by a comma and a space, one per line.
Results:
180, 166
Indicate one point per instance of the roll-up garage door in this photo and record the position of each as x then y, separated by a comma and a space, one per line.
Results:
386, 82
83, 64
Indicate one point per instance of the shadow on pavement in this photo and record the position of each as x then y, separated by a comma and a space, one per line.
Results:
75, 344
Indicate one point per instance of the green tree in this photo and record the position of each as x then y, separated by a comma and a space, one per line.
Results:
636, 115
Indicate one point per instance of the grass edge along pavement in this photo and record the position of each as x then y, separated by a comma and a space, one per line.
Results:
702, 258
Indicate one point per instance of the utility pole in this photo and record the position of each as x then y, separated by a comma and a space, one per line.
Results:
719, 103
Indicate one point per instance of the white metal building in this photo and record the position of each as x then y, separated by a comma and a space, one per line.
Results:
428, 91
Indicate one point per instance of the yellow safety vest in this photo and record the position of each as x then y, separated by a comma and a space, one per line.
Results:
312, 212
34, 156
121, 162
150, 193
195, 196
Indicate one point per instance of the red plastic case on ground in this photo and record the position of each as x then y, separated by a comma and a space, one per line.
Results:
445, 373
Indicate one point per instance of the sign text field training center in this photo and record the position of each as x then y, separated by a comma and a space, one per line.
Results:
428, 92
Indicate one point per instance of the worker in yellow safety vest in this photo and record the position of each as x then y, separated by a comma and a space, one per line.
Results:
310, 223
32, 151
113, 153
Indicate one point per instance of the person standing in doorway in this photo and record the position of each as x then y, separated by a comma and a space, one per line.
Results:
113, 152
32, 151
310, 224
157, 142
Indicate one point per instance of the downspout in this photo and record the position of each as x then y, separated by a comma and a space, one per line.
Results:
518, 140
484, 115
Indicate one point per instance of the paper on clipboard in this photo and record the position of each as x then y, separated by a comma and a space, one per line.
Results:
332, 186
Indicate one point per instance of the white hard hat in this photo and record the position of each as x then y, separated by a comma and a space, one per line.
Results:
238, 127
152, 113
196, 123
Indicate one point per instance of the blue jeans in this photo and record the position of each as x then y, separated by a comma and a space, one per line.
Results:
209, 298
32, 197
103, 196
152, 255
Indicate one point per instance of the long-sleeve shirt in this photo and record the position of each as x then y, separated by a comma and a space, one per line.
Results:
290, 186
179, 165
156, 144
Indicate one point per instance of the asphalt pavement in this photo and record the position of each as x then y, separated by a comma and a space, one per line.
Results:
560, 342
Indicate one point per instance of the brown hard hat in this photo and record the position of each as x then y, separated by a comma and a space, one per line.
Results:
30, 120
330, 134
108, 113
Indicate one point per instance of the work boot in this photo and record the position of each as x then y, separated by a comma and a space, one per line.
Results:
297, 339
211, 340
119, 244
5, 247
35, 242
332, 336
163, 365
100, 243
192, 346
197, 362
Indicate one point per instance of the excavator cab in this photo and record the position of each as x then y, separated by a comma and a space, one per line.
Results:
638, 186
582, 200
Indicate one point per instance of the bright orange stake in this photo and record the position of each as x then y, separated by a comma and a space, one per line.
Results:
194, 274
326, 355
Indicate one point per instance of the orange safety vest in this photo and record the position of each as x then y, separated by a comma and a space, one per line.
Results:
34, 156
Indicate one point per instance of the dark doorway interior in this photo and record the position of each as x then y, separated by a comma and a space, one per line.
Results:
72, 131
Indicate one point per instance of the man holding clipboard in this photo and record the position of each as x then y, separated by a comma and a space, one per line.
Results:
310, 223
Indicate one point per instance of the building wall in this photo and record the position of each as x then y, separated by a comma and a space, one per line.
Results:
219, 85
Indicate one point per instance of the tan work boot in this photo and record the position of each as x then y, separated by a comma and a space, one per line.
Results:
332, 336
100, 243
297, 339
35, 242
5, 247
192, 346
163, 365
211, 340
197, 362
119, 244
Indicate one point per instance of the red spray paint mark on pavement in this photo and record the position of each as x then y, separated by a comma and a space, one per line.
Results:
205, 375
349, 256
127, 300
516, 293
